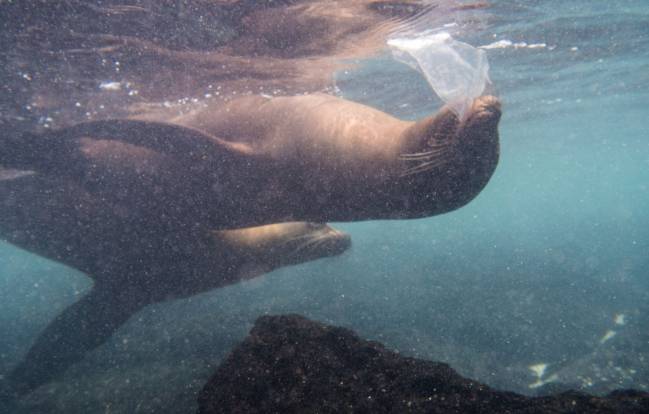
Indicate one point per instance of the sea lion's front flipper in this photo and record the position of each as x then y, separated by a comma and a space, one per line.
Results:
167, 138
52, 149
80, 328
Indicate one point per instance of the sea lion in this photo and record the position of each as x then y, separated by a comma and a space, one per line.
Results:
132, 266
258, 160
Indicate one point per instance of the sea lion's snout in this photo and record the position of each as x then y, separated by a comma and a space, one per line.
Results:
486, 110
455, 159
478, 136
487, 102
443, 142
310, 241
337, 242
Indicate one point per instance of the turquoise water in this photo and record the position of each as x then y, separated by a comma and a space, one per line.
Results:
549, 265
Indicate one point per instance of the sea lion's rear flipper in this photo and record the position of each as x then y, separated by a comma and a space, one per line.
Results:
80, 328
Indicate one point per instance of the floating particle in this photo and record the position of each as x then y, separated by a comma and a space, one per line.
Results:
110, 86
607, 336
538, 369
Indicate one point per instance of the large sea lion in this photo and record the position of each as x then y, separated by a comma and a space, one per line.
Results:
132, 265
258, 160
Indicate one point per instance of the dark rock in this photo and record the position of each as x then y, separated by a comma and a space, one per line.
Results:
289, 364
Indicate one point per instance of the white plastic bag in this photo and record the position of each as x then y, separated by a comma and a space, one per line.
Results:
457, 72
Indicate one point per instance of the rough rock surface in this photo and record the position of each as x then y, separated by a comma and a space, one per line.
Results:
289, 364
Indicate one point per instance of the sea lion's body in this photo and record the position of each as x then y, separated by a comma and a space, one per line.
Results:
305, 158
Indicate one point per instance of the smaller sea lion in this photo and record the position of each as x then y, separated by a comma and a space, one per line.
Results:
132, 266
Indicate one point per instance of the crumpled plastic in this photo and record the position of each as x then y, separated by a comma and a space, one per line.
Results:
457, 71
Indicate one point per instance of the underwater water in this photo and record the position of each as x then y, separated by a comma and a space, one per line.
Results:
542, 280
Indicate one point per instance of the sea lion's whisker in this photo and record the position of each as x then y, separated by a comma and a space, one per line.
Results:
423, 155
423, 167
305, 237
304, 240
315, 242
428, 151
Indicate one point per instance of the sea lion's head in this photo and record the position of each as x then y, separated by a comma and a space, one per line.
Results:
446, 161
305, 241
284, 244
